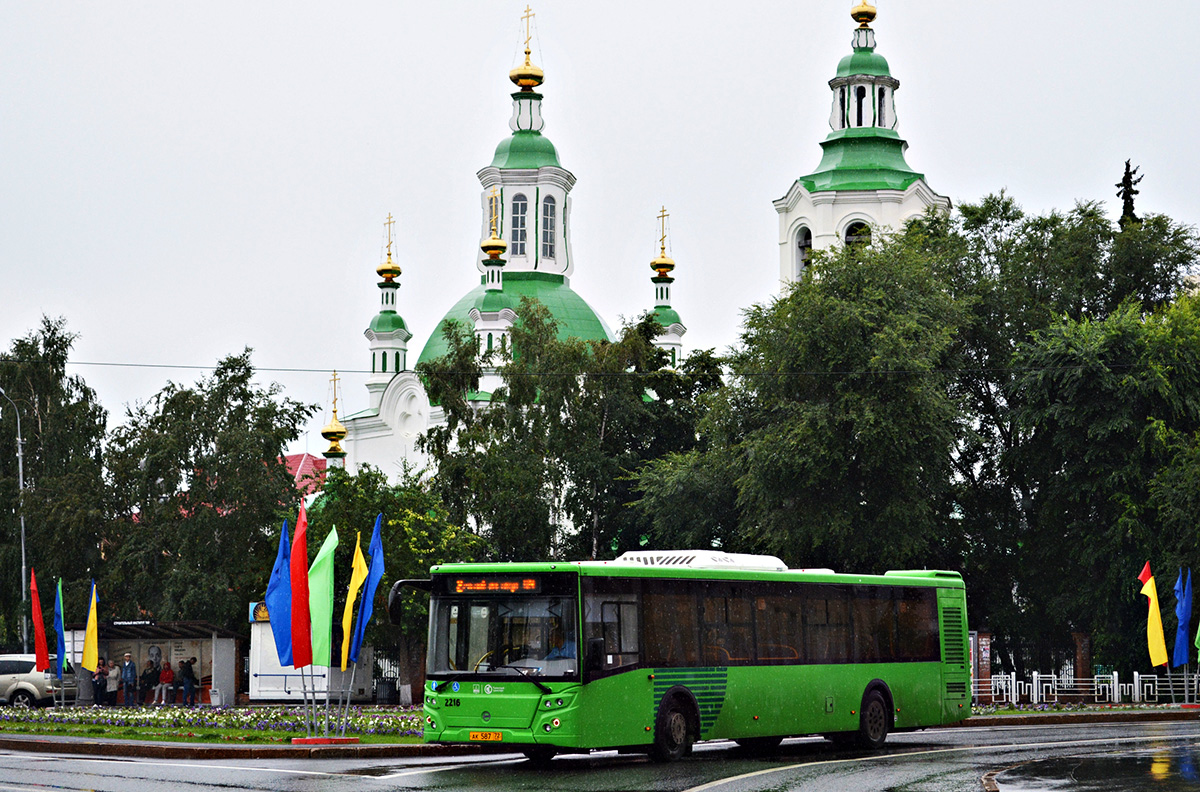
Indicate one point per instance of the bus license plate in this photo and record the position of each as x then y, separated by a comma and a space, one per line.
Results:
487, 736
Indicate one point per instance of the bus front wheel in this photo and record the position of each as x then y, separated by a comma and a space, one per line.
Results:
874, 721
672, 732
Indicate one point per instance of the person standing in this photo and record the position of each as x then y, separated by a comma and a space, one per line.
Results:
113, 684
166, 678
100, 683
129, 681
187, 673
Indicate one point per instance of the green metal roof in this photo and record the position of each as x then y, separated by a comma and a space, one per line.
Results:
863, 61
575, 316
525, 150
862, 158
666, 315
388, 322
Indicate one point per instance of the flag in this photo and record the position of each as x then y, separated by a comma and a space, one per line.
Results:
279, 599
1154, 629
301, 625
41, 654
358, 573
367, 606
320, 600
91, 649
58, 628
1183, 612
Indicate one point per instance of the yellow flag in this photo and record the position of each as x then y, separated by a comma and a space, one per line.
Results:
358, 573
1154, 628
91, 636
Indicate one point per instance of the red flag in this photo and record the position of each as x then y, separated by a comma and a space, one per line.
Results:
1146, 574
301, 622
39, 627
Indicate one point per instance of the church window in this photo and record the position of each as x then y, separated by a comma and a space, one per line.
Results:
520, 206
503, 343
882, 105
858, 233
383, 362
397, 361
489, 345
804, 243
860, 99
548, 212
842, 102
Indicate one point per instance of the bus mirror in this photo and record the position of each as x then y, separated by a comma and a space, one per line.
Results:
595, 654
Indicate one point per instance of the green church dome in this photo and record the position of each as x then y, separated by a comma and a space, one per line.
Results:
863, 61
525, 150
666, 316
575, 316
388, 322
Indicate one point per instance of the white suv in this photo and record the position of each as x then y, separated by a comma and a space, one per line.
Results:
22, 686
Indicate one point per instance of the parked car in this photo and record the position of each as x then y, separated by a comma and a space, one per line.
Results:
22, 686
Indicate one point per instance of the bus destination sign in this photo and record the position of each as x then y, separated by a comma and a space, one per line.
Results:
508, 584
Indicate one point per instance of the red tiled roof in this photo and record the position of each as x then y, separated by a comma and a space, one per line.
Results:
303, 467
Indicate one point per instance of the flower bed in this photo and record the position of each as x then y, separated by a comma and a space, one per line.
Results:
371, 721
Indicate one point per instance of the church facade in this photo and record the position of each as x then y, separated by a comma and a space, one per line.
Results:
862, 184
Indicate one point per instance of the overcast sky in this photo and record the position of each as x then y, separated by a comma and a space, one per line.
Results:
183, 179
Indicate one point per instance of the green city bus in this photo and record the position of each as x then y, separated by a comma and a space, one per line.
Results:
656, 650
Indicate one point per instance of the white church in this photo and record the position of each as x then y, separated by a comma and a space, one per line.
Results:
861, 184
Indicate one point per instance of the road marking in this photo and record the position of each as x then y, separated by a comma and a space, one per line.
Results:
899, 755
444, 769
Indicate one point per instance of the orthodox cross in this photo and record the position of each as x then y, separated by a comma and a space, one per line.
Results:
388, 225
662, 223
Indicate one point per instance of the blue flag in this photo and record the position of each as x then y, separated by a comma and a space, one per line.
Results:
279, 600
367, 606
58, 628
1183, 611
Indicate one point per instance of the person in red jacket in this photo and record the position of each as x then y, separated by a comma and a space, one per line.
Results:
166, 678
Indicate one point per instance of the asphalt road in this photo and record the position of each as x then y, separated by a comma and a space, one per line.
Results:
1125, 757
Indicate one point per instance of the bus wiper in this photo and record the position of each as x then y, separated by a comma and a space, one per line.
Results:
542, 687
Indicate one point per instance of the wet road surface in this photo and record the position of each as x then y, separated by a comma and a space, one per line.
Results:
1030, 758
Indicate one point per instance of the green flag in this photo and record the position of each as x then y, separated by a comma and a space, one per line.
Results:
320, 600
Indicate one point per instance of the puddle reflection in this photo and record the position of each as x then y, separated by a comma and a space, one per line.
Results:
1158, 769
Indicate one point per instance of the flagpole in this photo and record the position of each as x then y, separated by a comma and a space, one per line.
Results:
346, 709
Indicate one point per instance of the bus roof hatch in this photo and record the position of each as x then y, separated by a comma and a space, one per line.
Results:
701, 559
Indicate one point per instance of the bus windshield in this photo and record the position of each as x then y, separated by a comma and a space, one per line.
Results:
503, 635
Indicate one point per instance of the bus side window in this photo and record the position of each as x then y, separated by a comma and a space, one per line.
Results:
611, 609
670, 624
917, 635
777, 624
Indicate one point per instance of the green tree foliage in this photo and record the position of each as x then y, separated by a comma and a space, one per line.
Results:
546, 468
416, 535
1111, 409
834, 437
1019, 274
65, 499
200, 488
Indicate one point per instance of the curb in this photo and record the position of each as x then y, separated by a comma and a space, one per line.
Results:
1060, 718
120, 748
144, 750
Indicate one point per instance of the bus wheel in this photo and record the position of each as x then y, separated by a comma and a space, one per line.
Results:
539, 754
759, 745
873, 721
672, 737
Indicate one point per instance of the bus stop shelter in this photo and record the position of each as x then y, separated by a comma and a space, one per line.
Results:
216, 651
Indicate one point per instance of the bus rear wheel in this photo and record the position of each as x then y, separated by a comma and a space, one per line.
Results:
672, 732
874, 721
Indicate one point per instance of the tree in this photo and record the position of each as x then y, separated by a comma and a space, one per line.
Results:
1110, 412
200, 488
416, 536
65, 502
545, 468
835, 432
1126, 192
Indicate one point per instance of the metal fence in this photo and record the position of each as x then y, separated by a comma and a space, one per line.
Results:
1114, 688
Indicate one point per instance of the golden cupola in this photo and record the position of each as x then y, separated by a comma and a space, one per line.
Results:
527, 76
335, 430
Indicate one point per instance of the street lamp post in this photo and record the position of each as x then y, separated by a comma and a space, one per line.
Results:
21, 510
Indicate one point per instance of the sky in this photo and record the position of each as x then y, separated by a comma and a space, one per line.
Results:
182, 180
